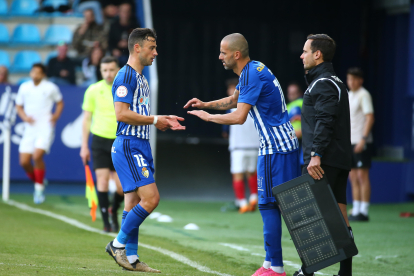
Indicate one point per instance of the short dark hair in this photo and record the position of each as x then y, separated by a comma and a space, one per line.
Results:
355, 71
41, 66
109, 59
323, 43
138, 35
232, 81
297, 84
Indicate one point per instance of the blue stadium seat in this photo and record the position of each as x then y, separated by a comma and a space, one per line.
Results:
4, 59
3, 8
55, 3
4, 34
26, 34
24, 60
24, 7
56, 33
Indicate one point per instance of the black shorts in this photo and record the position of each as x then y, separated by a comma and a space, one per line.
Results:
337, 179
362, 159
101, 153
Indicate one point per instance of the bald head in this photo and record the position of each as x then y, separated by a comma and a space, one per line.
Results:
237, 42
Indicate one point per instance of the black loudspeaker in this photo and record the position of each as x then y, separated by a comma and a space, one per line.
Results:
315, 222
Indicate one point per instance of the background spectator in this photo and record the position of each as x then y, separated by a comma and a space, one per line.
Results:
294, 108
4, 75
119, 31
89, 35
61, 69
91, 65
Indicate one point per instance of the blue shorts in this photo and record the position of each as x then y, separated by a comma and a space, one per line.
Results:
273, 170
133, 162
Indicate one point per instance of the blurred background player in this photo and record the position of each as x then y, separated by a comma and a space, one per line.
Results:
34, 103
98, 109
243, 147
131, 150
294, 108
259, 94
362, 120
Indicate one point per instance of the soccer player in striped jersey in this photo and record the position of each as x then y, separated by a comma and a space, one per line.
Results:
131, 150
259, 94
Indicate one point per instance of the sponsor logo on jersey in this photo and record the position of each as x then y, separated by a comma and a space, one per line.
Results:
143, 100
259, 182
145, 172
122, 91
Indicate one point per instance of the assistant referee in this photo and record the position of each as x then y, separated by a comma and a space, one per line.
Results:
326, 128
98, 109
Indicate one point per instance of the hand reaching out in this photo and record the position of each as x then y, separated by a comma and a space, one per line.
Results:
196, 103
201, 114
169, 122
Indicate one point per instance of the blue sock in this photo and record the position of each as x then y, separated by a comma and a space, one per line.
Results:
132, 244
272, 232
132, 221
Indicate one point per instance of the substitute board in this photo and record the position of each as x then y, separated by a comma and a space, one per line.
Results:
315, 222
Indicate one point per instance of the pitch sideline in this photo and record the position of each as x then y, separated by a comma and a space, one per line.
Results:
83, 226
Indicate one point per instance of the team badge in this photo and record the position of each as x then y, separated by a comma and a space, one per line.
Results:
259, 182
145, 172
122, 91
141, 100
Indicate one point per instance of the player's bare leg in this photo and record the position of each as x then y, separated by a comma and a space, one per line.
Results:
365, 190
39, 175
356, 193
102, 185
25, 160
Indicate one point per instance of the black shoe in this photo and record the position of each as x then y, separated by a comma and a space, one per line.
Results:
107, 228
115, 228
359, 217
300, 273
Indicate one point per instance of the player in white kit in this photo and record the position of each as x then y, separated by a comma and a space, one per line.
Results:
243, 147
34, 104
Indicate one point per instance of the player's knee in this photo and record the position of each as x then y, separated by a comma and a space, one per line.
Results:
37, 158
24, 162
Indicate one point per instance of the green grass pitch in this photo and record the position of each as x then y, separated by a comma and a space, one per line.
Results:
230, 243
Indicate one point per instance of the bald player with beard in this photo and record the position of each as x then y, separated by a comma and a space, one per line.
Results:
259, 94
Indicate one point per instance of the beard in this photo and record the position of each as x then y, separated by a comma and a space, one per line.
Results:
145, 61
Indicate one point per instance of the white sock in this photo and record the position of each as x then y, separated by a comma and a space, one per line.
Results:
278, 269
253, 197
39, 187
364, 208
267, 264
132, 258
356, 205
242, 202
116, 243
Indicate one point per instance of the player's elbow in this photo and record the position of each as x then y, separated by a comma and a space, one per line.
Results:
240, 120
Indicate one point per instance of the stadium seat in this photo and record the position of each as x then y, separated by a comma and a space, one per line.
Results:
4, 34
26, 34
24, 7
55, 3
24, 60
4, 59
3, 8
56, 33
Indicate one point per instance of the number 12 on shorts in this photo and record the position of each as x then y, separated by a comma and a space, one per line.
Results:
140, 160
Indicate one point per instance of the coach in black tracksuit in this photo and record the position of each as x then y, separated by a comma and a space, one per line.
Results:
326, 128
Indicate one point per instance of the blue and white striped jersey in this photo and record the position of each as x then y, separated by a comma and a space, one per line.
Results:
131, 87
260, 88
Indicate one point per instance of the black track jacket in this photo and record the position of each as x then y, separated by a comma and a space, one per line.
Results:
326, 127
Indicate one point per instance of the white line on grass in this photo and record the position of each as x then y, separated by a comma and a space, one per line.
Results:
83, 226
241, 248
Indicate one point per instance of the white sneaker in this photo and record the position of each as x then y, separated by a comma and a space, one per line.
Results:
38, 195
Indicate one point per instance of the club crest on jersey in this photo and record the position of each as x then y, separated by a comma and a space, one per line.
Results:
145, 172
143, 100
122, 91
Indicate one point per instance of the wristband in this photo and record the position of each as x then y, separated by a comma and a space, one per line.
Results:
155, 120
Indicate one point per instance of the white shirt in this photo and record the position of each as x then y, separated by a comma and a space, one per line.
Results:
360, 104
243, 136
38, 101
